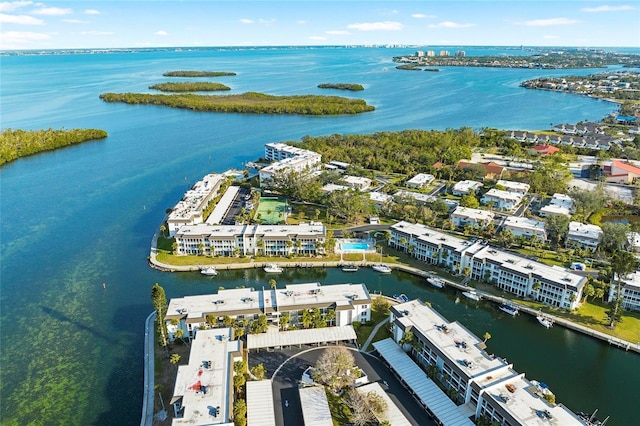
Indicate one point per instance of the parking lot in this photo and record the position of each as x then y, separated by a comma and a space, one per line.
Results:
293, 362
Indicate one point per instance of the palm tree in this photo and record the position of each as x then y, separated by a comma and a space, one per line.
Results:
486, 336
174, 359
272, 283
285, 318
163, 229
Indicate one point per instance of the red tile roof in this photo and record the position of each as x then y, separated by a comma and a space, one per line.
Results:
626, 167
546, 149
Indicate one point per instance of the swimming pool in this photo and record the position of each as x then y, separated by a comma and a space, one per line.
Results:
354, 246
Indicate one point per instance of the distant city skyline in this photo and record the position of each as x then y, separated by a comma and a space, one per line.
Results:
198, 23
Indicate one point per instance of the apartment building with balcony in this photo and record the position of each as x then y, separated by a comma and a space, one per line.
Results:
251, 240
551, 285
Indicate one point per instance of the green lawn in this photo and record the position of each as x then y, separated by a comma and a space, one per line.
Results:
340, 412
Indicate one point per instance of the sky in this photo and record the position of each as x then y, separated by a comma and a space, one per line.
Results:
197, 23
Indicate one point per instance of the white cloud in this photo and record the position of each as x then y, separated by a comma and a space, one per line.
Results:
377, 26
266, 21
422, 16
75, 21
9, 6
98, 33
338, 32
246, 21
451, 24
52, 11
317, 38
551, 37
301, 22
161, 33
19, 19
18, 39
607, 8
548, 22
91, 12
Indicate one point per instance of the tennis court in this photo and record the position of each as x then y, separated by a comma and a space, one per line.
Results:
271, 210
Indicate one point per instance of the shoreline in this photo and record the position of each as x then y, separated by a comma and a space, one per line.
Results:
611, 340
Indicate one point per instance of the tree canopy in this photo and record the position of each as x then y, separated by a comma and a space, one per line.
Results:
21, 143
250, 102
189, 86
406, 152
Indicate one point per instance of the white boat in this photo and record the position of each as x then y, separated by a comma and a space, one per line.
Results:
436, 282
509, 308
401, 297
471, 294
273, 268
209, 270
382, 268
350, 268
544, 321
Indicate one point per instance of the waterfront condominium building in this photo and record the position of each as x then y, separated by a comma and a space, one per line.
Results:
287, 159
551, 285
203, 392
189, 210
583, 235
485, 384
340, 305
517, 187
630, 292
560, 204
251, 240
465, 187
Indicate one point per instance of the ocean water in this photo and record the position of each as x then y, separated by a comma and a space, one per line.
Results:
71, 350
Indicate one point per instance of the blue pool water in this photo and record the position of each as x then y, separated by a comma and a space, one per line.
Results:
354, 246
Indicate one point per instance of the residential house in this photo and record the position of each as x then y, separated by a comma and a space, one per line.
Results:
478, 218
420, 180
466, 187
526, 227
515, 187
622, 172
584, 236
357, 182
630, 292
503, 200
560, 204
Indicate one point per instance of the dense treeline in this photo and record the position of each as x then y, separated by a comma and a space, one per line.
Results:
406, 152
198, 74
21, 143
341, 86
250, 102
189, 86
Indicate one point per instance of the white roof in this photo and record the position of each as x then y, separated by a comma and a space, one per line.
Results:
516, 222
578, 230
300, 337
633, 280
473, 214
425, 198
380, 197
392, 414
315, 407
330, 187
260, 410
420, 179
466, 186
357, 180
555, 209
634, 239
423, 387
204, 385
561, 200
514, 186
192, 201
499, 194
273, 231
524, 403
221, 208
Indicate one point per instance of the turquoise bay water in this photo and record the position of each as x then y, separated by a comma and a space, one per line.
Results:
71, 351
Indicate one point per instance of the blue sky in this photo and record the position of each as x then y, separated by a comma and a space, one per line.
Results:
122, 23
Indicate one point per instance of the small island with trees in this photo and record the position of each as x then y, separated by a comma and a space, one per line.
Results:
189, 86
18, 143
198, 74
341, 86
249, 102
